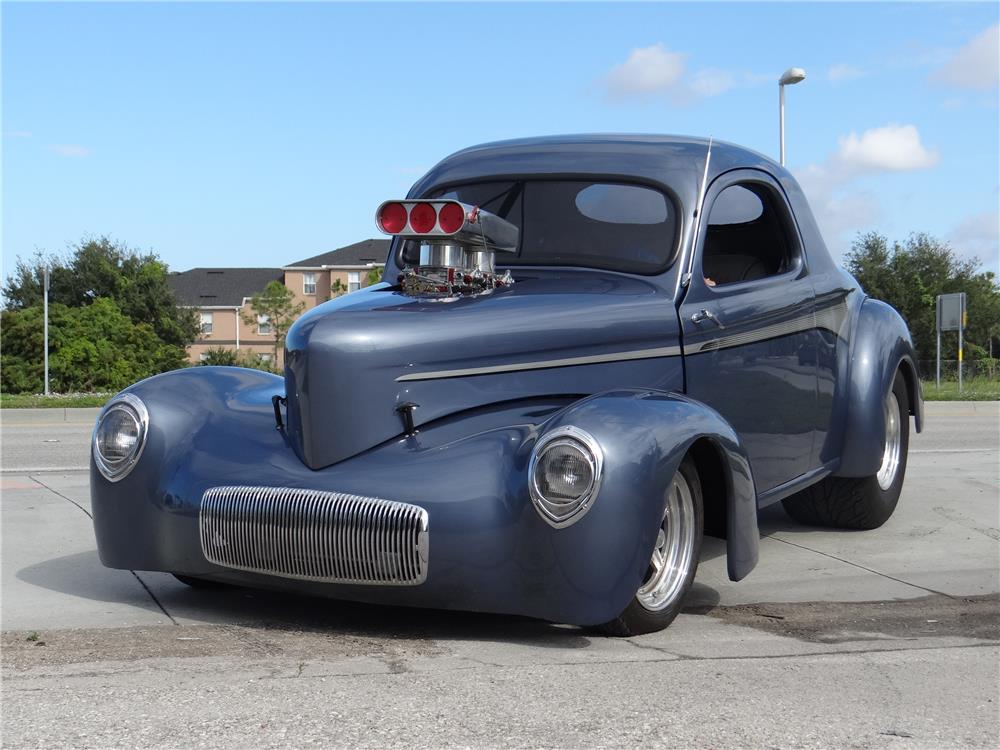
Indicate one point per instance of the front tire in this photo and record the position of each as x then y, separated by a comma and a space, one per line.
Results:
867, 502
673, 563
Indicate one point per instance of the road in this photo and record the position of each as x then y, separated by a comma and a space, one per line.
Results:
877, 639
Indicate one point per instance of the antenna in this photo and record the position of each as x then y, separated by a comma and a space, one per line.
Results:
686, 279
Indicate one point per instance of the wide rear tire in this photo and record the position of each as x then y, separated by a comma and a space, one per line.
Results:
674, 560
866, 502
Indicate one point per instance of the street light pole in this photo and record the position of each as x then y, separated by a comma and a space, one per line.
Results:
45, 306
788, 78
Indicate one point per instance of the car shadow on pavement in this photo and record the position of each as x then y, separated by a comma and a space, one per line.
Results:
82, 575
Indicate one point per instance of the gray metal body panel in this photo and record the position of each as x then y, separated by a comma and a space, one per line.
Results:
789, 392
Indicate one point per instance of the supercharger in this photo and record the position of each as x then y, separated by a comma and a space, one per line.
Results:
457, 247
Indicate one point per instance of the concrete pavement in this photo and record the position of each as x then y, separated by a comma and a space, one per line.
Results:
874, 639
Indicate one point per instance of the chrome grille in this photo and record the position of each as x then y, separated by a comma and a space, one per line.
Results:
314, 535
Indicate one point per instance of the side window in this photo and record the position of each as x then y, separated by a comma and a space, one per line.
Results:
749, 236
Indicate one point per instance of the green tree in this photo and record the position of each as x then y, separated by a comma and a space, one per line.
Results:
220, 356
275, 305
374, 275
909, 275
104, 268
92, 348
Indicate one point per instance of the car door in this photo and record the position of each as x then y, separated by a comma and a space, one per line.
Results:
748, 324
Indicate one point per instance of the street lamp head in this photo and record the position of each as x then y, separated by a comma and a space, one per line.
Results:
792, 75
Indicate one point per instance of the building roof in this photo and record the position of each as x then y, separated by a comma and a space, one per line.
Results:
220, 287
361, 253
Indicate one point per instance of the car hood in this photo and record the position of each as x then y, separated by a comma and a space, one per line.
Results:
351, 363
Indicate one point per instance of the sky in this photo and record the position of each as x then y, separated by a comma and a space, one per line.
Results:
259, 134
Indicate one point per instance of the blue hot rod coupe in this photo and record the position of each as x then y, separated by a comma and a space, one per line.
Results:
586, 352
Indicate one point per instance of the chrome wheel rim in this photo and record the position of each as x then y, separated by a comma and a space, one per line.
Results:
893, 443
673, 553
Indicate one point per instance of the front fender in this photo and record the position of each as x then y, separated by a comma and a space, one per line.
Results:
212, 420
645, 435
881, 345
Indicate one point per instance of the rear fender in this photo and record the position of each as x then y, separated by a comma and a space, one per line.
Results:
645, 436
881, 346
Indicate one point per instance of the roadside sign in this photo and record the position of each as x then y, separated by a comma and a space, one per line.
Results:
951, 316
951, 313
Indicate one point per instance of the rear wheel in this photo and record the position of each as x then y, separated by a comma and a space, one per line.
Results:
865, 502
674, 560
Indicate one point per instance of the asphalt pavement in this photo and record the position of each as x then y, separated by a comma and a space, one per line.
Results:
885, 638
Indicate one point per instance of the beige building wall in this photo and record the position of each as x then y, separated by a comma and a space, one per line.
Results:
225, 320
223, 334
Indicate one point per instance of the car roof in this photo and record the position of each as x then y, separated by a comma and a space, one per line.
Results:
676, 162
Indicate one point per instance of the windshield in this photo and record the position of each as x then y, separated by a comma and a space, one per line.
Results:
595, 224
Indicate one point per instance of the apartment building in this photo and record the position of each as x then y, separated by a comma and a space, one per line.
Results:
222, 295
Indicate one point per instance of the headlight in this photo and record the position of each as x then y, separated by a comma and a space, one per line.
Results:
564, 475
120, 436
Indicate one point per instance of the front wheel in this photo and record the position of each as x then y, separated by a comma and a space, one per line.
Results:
674, 560
864, 502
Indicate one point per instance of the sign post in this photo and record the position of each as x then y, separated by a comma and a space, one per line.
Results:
951, 316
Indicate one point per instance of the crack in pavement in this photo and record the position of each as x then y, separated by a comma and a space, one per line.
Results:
56, 492
11, 676
777, 538
86, 512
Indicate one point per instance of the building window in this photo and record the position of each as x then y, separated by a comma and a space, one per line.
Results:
207, 322
353, 281
263, 325
309, 283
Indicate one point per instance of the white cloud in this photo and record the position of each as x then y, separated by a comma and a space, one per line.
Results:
978, 235
892, 148
657, 71
844, 72
712, 82
648, 70
842, 207
70, 150
975, 65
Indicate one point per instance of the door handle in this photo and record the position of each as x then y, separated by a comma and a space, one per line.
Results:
703, 314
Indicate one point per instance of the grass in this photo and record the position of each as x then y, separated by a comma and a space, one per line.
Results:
973, 389
54, 401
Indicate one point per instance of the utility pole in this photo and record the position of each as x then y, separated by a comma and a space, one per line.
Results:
45, 305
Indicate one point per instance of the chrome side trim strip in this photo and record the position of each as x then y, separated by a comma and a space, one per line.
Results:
831, 319
663, 351
312, 535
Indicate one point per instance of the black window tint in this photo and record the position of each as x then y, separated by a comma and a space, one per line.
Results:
615, 226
